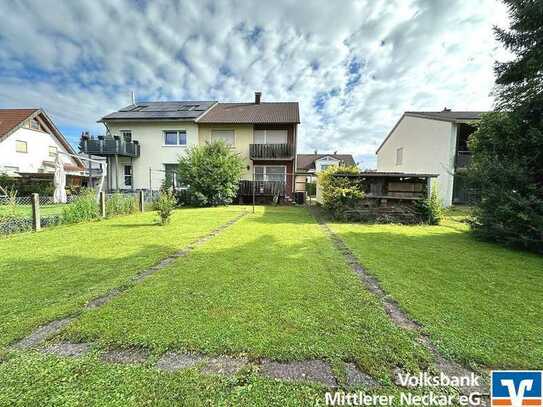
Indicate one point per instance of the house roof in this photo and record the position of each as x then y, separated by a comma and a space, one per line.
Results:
264, 112
306, 162
448, 115
171, 110
12, 119
444, 115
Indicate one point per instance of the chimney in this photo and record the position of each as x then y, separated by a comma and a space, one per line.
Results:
316, 152
133, 97
257, 97
335, 152
446, 109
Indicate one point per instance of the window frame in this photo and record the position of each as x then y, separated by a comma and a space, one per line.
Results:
178, 134
233, 134
265, 174
49, 149
399, 156
17, 146
266, 135
128, 176
123, 135
33, 121
176, 183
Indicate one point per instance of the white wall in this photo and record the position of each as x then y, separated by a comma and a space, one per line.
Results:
428, 147
38, 143
325, 161
153, 153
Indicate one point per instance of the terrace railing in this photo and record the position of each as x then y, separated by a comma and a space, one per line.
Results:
260, 188
111, 146
271, 151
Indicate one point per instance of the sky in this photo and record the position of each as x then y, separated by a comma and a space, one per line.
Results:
354, 66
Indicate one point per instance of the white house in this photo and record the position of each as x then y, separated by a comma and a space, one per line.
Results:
432, 143
309, 165
29, 145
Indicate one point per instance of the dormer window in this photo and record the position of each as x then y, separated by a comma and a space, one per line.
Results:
35, 124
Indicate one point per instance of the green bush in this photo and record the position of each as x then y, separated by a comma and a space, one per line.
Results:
120, 204
311, 188
211, 171
164, 205
340, 193
81, 209
431, 208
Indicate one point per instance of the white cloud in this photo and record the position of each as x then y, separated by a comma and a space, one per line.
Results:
80, 60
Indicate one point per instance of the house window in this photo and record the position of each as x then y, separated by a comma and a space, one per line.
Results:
126, 135
225, 135
270, 137
53, 151
35, 124
171, 175
325, 166
128, 175
175, 137
270, 173
399, 156
21, 146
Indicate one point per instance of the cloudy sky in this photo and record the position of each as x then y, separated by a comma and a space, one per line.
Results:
353, 66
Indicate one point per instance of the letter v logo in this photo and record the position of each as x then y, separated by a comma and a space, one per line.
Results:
517, 396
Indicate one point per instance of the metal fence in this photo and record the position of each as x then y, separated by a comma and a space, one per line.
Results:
26, 213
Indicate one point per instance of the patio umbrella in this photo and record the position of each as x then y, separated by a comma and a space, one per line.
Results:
59, 181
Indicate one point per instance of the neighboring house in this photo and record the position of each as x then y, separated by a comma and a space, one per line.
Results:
432, 143
309, 165
29, 145
146, 140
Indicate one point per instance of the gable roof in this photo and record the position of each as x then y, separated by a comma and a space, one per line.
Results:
10, 119
13, 119
306, 162
170, 110
444, 115
264, 112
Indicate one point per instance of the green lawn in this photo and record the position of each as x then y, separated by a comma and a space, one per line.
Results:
52, 273
270, 286
26, 210
481, 303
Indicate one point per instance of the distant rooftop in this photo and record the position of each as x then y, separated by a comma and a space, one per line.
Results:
175, 110
306, 162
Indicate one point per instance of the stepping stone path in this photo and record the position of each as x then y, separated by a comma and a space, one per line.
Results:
67, 349
357, 378
307, 370
125, 356
225, 365
41, 334
173, 361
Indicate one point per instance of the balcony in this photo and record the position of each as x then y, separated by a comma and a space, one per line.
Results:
110, 146
271, 151
262, 188
463, 159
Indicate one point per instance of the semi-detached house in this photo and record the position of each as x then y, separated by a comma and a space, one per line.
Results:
144, 141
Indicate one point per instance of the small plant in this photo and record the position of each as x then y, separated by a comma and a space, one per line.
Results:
431, 208
120, 204
164, 205
81, 209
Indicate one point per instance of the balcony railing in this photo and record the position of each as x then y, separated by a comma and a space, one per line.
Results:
260, 188
463, 159
111, 146
271, 151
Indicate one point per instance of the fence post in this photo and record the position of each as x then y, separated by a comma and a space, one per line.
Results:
102, 204
36, 219
142, 201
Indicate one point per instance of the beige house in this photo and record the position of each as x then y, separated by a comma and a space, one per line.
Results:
144, 141
432, 143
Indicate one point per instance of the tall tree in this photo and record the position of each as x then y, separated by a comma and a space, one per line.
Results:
508, 146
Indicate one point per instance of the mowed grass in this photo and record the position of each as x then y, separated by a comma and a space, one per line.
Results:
270, 286
52, 273
480, 302
40, 380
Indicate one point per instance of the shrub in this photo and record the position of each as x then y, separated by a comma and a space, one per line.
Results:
211, 171
120, 204
81, 209
431, 209
340, 193
311, 188
164, 205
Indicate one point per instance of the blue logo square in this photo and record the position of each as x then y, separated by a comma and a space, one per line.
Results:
516, 388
